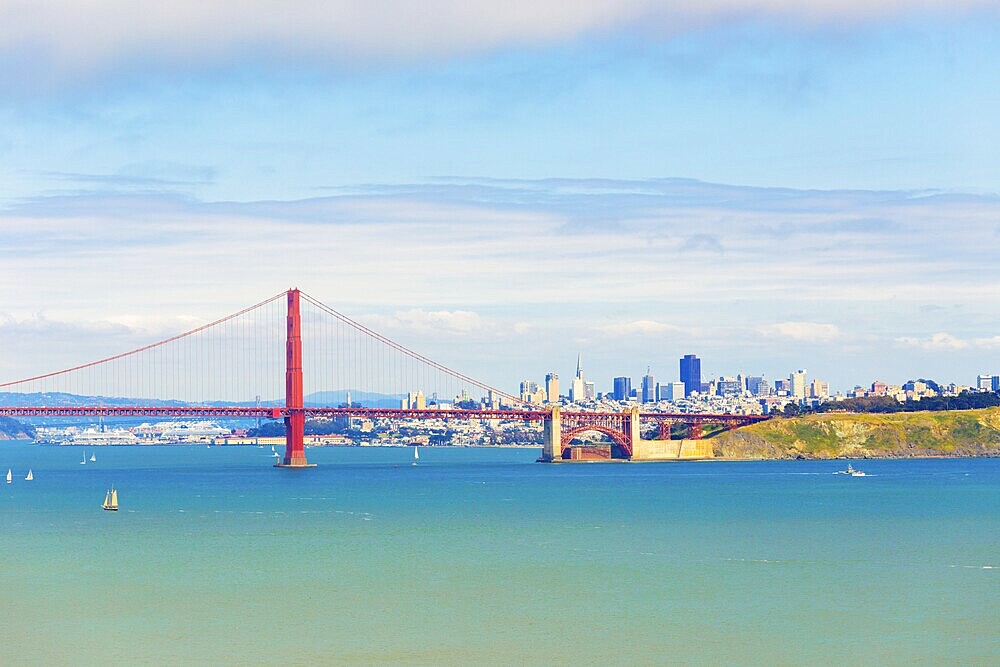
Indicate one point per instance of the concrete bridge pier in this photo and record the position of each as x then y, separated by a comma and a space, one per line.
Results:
552, 441
634, 429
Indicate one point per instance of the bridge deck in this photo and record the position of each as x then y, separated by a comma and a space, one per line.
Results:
254, 412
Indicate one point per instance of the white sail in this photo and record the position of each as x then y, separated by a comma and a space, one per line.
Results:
10, 477
93, 457
416, 453
29, 476
84, 461
111, 500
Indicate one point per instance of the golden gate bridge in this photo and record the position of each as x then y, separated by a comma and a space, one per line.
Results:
221, 369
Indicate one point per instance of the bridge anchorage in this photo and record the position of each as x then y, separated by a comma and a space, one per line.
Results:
222, 369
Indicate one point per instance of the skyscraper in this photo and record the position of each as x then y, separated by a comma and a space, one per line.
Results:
552, 387
531, 392
758, 385
798, 380
691, 374
578, 389
623, 388
648, 388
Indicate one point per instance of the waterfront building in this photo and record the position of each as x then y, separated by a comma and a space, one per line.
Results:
622, 388
552, 387
691, 374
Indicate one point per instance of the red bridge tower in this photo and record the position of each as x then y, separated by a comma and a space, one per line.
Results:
295, 419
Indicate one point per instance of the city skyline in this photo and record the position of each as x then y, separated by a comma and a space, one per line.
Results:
621, 387
775, 188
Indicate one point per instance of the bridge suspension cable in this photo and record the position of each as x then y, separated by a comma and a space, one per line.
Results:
239, 359
390, 366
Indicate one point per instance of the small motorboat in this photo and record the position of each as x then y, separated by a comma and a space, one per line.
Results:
851, 471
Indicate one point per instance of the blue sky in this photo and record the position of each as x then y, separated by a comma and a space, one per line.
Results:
769, 186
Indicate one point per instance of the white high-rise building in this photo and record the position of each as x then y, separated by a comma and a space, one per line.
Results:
798, 381
676, 391
578, 388
532, 393
552, 387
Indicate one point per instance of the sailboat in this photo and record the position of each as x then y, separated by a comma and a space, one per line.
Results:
84, 461
10, 477
29, 476
416, 455
111, 500
93, 456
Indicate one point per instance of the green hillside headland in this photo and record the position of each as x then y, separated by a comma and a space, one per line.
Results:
951, 433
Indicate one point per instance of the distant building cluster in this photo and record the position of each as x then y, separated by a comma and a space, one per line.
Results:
988, 382
740, 394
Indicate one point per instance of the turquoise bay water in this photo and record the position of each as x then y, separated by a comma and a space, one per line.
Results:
483, 556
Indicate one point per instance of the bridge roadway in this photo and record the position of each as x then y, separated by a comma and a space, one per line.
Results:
255, 412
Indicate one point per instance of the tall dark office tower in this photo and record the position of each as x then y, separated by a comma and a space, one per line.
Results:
648, 387
623, 388
691, 373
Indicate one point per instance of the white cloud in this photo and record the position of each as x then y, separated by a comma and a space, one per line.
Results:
87, 35
988, 343
943, 341
640, 328
439, 321
806, 331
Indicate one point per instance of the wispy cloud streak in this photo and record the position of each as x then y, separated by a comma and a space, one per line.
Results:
69, 37
525, 266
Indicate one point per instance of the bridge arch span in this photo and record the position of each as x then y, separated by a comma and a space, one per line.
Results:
617, 436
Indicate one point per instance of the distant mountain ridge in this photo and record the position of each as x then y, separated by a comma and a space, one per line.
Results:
316, 399
366, 399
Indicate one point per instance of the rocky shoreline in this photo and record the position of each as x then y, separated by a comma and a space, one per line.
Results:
951, 434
